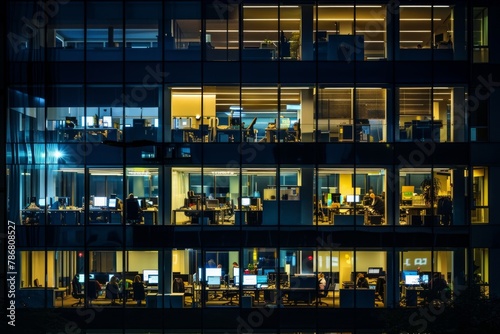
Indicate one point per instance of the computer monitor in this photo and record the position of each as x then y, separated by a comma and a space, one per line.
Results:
213, 280
81, 278
107, 121
412, 279
213, 272
112, 203
261, 279
153, 279
236, 271
249, 280
212, 203
147, 272
110, 276
236, 280
352, 198
246, 201
374, 271
405, 273
100, 201
153, 200
42, 202
424, 278
63, 200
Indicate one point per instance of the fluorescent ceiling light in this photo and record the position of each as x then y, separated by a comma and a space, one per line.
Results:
423, 6
272, 19
415, 31
349, 6
419, 19
264, 7
411, 41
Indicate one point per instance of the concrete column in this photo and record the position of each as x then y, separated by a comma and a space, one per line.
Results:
306, 195
306, 114
392, 19
392, 282
459, 15
459, 200
165, 271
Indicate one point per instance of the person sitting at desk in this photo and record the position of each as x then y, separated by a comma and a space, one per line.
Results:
362, 281
438, 286
112, 289
377, 204
321, 281
138, 288
134, 211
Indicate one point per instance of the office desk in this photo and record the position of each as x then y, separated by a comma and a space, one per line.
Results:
210, 216
364, 298
102, 216
274, 135
64, 216
150, 216
306, 295
420, 215
60, 292
32, 217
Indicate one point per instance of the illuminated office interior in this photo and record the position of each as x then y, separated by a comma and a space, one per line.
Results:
257, 158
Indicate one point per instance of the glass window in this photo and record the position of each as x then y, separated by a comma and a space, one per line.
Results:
343, 196
222, 27
142, 30
435, 114
182, 30
480, 35
104, 38
347, 114
65, 32
426, 197
480, 206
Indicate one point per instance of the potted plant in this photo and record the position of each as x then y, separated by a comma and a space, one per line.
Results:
430, 189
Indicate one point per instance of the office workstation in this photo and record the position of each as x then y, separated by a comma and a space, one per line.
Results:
426, 199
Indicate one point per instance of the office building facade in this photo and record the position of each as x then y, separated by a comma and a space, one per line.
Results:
226, 153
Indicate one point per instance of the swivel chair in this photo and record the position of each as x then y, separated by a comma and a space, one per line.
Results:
91, 291
134, 213
323, 293
77, 293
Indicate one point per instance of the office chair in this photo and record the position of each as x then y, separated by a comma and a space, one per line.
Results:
230, 295
91, 291
324, 293
77, 293
112, 293
134, 214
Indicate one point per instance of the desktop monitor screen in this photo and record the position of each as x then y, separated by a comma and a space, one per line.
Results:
261, 279
412, 279
236, 271
110, 276
425, 278
213, 280
236, 280
81, 278
100, 201
112, 203
214, 272
374, 271
352, 198
404, 273
249, 279
153, 279
246, 201
147, 272
42, 202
